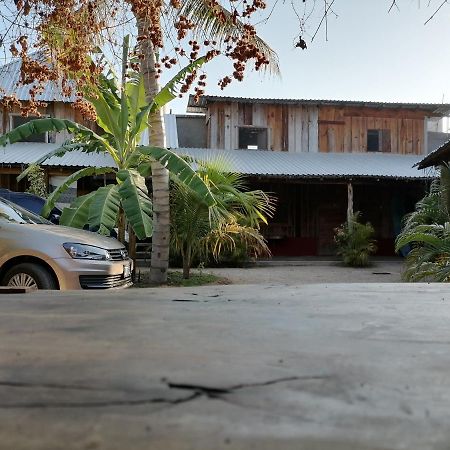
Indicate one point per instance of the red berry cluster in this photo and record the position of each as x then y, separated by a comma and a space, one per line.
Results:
70, 31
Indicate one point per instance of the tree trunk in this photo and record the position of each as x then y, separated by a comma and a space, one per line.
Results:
350, 206
186, 269
132, 246
121, 227
187, 257
160, 175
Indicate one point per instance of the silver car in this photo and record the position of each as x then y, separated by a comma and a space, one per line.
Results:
36, 254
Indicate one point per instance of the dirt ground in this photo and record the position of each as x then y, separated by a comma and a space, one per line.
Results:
314, 272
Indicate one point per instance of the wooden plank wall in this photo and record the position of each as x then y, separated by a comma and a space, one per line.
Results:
290, 128
59, 110
298, 128
345, 129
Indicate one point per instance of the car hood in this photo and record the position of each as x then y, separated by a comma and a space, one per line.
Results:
67, 234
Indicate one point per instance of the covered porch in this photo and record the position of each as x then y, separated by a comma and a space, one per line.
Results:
308, 211
315, 191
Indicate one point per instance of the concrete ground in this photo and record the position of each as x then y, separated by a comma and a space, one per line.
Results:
313, 271
316, 367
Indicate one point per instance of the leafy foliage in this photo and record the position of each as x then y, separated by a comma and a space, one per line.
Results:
38, 184
355, 242
73, 31
201, 231
427, 231
122, 114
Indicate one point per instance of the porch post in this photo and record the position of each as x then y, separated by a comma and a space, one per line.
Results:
349, 203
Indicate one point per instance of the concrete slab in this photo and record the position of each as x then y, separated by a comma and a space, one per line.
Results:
227, 367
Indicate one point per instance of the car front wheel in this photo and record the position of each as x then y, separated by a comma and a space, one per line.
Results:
29, 275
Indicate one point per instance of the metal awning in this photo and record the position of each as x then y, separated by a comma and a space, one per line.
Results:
314, 165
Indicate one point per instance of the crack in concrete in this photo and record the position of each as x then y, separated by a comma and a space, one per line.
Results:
197, 392
75, 387
214, 392
100, 404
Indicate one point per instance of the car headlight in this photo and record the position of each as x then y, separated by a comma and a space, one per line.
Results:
83, 251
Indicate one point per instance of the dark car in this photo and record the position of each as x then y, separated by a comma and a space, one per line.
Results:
30, 202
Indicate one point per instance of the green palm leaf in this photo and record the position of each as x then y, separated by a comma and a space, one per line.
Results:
170, 90
39, 126
104, 209
86, 172
77, 215
135, 202
165, 95
180, 169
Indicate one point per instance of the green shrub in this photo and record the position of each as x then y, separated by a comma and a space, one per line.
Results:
427, 232
355, 243
38, 183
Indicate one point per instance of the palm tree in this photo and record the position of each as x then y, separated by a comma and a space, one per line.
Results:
198, 230
213, 22
122, 114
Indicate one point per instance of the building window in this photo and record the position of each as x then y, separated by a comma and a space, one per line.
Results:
251, 138
20, 120
378, 140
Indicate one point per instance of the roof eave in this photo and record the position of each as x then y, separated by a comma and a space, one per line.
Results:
432, 108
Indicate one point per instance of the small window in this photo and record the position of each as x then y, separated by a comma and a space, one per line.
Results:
251, 138
378, 140
20, 120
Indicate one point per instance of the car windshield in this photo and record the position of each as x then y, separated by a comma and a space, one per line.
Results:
16, 214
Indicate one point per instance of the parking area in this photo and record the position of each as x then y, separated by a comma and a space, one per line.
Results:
313, 271
311, 366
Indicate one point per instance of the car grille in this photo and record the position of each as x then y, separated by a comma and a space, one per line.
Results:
118, 254
103, 281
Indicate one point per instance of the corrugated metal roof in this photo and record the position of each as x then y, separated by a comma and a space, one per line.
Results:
436, 157
314, 165
436, 108
9, 84
248, 162
29, 152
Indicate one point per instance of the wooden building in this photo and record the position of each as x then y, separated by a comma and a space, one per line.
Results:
328, 153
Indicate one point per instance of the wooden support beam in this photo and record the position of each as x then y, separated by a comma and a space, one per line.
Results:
349, 203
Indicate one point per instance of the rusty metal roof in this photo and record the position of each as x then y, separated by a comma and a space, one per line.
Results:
29, 152
9, 84
435, 108
314, 165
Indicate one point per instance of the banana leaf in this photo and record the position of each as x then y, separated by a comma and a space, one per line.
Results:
86, 172
180, 168
77, 215
104, 209
136, 202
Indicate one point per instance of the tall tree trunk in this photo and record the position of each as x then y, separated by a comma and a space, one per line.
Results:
160, 175
187, 258
132, 247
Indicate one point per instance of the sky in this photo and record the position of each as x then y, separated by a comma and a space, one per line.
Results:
370, 55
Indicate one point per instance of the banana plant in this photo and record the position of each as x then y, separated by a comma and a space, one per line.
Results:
122, 115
